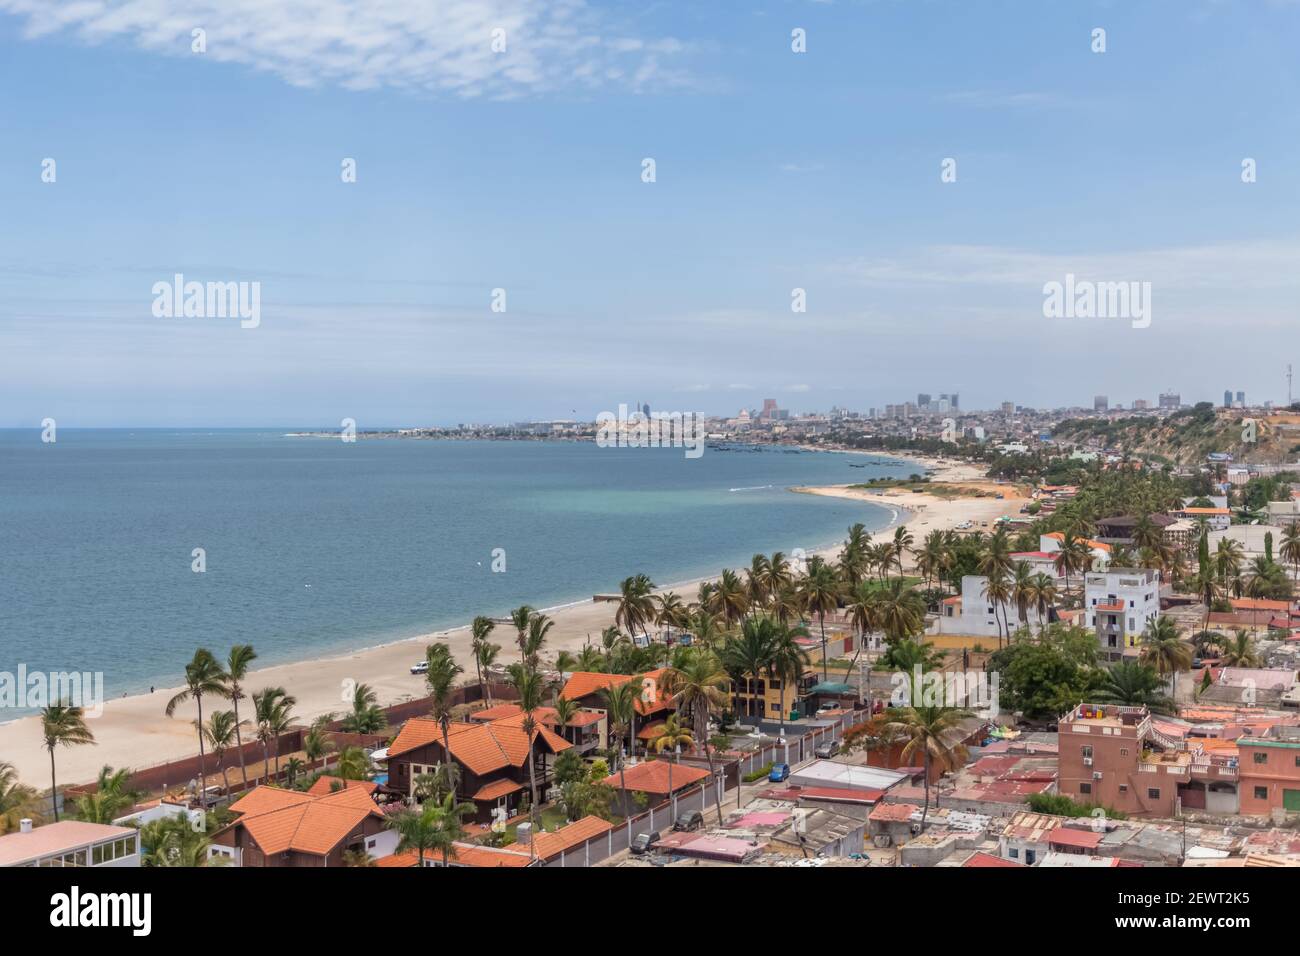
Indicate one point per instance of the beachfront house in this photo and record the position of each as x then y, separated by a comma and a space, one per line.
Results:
276, 827
492, 757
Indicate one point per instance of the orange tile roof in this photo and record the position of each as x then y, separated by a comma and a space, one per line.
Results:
314, 824
1259, 604
467, 854
265, 798
482, 748
585, 683
551, 845
651, 776
497, 789
1095, 545
1206, 511
325, 784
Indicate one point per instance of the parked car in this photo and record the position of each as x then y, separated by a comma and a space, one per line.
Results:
827, 707
421, 668
827, 750
644, 843
779, 773
690, 820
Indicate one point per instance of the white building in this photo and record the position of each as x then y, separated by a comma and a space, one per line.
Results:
1217, 519
1119, 603
70, 843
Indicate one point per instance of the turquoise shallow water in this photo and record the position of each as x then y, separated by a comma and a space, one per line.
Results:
316, 545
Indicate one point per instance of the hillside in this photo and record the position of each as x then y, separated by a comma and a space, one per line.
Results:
1186, 437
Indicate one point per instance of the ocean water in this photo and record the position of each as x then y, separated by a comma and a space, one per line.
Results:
315, 545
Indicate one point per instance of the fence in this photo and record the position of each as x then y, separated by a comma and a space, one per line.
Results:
703, 795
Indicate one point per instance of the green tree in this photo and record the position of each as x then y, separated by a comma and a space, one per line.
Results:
239, 659
203, 676
62, 725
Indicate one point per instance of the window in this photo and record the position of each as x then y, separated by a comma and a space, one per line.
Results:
1013, 853
1261, 758
1261, 793
1123, 751
1153, 793
1085, 788
1086, 750
1131, 604
1132, 624
1123, 788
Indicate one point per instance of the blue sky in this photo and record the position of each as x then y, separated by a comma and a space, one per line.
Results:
521, 171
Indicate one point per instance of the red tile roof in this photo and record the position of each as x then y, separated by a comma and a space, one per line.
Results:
481, 748
467, 854
326, 784
550, 845
1067, 836
586, 683
497, 789
982, 860
279, 821
651, 776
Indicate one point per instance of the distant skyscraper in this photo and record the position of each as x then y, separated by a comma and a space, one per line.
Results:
1227, 398
769, 408
1100, 404
1241, 399
922, 399
1170, 400
1140, 404
1008, 408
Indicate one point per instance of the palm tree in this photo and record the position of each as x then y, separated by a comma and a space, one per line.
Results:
315, 742
786, 661
787, 604
855, 556
1022, 592
730, 597
417, 830
590, 660
62, 725
528, 684
448, 828
479, 631
353, 764
620, 703
635, 608
441, 681
292, 768
485, 655
366, 717
903, 541
1241, 652
749, 655
203, 675
520, 617
1228, 557
901, 610
699, 688
358, 858
172, 841
1133, 684
109, 799
272, 711
671, 612
220, 733
1041, 594
1164, 650
934, 557
237, 662
671, 735
928, 729
1290, 550
756, 578
779, 574
17, 800
539, 625
820, 593
565, 710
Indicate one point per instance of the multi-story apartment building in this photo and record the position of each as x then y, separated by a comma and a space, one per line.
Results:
1119, 604
1115, 757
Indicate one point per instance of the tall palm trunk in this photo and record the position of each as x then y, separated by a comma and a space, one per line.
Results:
925, 806
822, 615
453, 782
782, 706
54, 788
702, 732
239, 741
203, 777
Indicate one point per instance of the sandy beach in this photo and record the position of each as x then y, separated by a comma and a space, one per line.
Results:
133, 731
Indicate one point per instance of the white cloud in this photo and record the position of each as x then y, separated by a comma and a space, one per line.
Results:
441, 47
